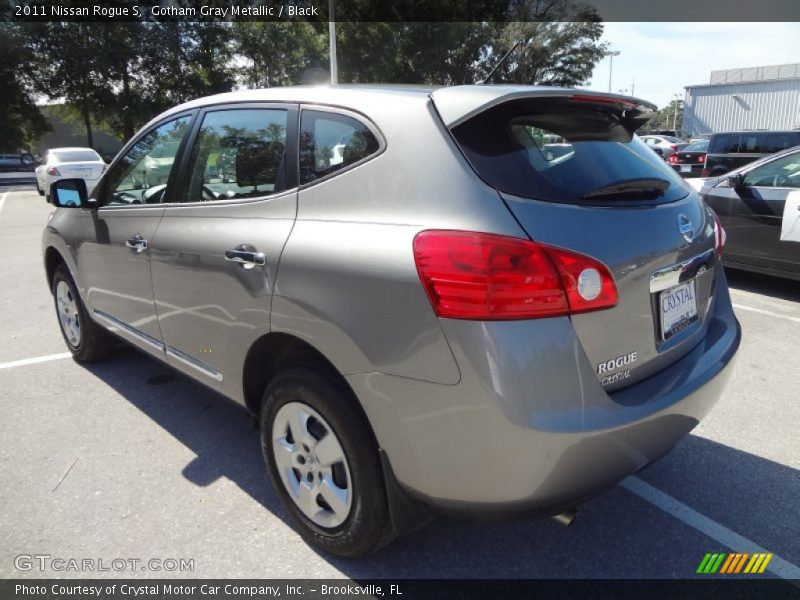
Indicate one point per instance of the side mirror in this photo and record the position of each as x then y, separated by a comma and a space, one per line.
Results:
69, 193
736, 181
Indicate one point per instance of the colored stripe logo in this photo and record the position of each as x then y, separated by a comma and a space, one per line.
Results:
734, 562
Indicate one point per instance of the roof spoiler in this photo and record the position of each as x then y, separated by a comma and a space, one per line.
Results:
457, 104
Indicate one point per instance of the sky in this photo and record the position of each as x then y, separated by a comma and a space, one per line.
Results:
659, 59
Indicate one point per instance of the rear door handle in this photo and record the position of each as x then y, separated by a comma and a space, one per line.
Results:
137, 243
246, 257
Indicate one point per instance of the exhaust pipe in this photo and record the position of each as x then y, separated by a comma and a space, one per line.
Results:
567, 517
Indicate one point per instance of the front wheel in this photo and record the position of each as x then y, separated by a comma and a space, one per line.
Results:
324, 464
87, 340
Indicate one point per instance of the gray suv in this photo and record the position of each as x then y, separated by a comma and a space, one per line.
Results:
424, 311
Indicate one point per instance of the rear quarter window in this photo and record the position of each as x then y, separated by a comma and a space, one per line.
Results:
331, 142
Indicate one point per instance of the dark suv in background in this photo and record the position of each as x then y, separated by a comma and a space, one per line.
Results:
733, 149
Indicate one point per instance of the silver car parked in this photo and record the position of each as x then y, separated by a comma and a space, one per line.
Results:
425, 313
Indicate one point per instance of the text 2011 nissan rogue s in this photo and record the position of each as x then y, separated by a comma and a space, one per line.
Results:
426, 310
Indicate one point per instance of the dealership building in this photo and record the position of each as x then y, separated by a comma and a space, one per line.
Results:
751, 98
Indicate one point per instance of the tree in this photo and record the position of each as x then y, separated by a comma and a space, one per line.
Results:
560, 46
21, 121
287, 53
562, 53
427, 53
66, 71
669, 117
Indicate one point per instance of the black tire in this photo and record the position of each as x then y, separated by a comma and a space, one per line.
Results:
38, 189
367, 526
95, 342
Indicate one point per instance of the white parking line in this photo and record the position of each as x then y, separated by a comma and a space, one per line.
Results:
780, 567
769, 313
33, 361
3, 200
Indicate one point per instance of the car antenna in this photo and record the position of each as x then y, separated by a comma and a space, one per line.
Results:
500, 63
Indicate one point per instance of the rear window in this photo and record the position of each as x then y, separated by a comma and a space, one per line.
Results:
510, 147
701, 146
75, 156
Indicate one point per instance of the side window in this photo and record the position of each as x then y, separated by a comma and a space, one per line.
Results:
781, 141
330, 142
782, 172
751, 142
724, 143
141, 176
239, 153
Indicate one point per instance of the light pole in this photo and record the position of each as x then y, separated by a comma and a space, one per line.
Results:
332, 46
675, 112
611, 54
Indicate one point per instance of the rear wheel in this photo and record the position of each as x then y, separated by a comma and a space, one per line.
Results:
39, 189
324, 464
87, 340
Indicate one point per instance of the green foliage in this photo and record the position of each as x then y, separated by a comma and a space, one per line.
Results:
120, 75
21, 121
666, 117
281, 53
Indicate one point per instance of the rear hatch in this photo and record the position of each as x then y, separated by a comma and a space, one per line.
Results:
79, 163
609, 197
81, 170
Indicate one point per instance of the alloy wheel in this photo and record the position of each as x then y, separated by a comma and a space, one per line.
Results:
312, 465
68, 313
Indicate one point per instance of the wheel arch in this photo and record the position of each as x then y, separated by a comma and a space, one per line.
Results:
276, 351
52, 258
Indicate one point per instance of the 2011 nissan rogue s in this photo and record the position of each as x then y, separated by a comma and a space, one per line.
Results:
425, 312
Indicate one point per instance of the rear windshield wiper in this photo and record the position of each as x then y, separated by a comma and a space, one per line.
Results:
646, 186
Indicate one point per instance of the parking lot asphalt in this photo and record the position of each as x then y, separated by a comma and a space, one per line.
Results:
128, 459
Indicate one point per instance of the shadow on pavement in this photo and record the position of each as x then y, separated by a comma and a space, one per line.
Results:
768, 285
615, 535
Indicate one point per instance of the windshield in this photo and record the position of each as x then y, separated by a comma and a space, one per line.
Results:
65, 156
511, 149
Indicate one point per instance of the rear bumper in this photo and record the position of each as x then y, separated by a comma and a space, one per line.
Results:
528, 430
695, 171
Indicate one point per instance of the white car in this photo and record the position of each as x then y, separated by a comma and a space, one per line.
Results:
68, 163
663, 145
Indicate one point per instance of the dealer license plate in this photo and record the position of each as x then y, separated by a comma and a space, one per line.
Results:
678, 307
686, 168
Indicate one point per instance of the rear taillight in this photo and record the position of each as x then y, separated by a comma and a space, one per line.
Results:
53, 171
674, 148
719, 235
673, 158
701, 158
482, 276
